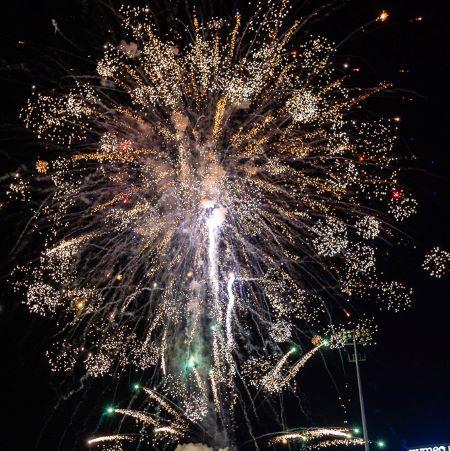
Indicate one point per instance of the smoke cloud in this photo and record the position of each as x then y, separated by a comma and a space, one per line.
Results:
196, 447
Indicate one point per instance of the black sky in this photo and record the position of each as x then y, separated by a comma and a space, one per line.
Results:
407, 375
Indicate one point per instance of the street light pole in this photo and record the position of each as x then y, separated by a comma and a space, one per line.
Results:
361, 399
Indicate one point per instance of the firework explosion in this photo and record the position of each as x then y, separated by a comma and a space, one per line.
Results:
216, 199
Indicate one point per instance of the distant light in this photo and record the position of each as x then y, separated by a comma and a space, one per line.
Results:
396, 194
383, 16
397, 118
136, 386
109, 410
345, 65
381, 444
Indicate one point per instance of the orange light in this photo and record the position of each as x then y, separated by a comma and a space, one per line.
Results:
42, 166
383, 16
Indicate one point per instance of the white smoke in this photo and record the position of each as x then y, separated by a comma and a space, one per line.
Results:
196, 447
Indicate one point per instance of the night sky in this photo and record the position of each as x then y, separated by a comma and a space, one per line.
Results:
406, 376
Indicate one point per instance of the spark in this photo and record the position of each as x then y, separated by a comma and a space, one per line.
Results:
42, 166
167, 430
384, 15
110, 438
317, 438
230, 308
436, 262
141, 416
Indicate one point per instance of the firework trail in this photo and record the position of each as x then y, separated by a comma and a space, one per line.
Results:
214, 201
323, 438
